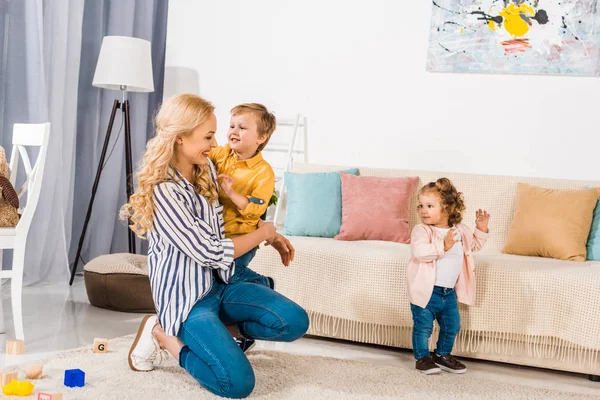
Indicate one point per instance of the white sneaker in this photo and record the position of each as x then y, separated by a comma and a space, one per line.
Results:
145, 351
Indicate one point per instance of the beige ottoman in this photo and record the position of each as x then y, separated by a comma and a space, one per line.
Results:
119, 282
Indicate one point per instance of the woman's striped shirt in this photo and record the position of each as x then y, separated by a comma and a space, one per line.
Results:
186, 244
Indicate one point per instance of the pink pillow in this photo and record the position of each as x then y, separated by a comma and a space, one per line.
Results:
375, 208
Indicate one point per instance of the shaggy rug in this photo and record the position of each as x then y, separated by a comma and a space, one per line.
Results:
278, 376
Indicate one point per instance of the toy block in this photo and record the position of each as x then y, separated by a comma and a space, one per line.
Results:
9, 376
34, 371
74, 378
100, 345
18, 388
50, 396
14, 347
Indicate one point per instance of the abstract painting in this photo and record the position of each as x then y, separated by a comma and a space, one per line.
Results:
515, 36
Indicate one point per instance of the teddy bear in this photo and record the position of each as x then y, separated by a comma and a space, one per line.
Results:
9, 200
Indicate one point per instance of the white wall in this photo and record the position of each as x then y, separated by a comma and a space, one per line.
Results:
356, 69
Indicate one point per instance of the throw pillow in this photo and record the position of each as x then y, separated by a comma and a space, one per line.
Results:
551, 223
593, 242
376, 208
314, 205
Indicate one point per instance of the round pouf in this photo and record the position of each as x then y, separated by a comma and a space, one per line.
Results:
119, 282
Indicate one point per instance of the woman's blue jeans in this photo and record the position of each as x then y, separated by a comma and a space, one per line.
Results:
212, 356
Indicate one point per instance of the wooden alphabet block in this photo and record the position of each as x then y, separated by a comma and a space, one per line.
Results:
34, 371
14, 347
8, 376
50, 396
100, 345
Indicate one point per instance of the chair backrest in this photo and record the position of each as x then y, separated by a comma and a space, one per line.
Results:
29, 135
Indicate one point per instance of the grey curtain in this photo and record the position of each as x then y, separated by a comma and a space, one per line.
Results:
41, 44
47, 61
146, 19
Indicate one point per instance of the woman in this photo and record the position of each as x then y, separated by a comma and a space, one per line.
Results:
190, 261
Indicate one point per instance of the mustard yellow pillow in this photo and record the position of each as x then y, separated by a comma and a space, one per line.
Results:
551, 223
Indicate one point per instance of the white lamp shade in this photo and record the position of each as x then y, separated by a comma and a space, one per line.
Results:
124, 61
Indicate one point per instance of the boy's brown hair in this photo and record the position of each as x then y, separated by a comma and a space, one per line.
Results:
265, 120
453, 203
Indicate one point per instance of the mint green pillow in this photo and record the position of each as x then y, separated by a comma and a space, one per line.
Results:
593, 243
314, 203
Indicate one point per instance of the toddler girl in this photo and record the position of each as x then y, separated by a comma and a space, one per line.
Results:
441, 272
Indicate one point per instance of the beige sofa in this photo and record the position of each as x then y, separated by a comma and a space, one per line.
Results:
531, 311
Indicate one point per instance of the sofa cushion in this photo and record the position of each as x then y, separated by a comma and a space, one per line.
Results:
551, 223
376, 208
593, 242
362, 280
119, 282
314, 203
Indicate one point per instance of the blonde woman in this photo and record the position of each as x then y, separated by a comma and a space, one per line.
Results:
190, 261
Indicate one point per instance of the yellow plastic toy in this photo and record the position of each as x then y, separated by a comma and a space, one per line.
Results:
18, 388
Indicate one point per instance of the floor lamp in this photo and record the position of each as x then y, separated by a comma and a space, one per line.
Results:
124, 64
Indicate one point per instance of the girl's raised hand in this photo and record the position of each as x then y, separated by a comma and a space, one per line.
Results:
482, 218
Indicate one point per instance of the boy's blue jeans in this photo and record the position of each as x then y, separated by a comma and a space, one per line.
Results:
245, 274
442, 307
212, 356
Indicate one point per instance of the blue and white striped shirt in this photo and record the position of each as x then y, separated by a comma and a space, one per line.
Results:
186, 244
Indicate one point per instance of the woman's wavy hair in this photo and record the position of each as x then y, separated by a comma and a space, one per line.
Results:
177, 117
453, 203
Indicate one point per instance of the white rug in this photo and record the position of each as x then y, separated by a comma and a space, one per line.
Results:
278, 376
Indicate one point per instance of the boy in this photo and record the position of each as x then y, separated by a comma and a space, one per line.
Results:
246, 183
246, 180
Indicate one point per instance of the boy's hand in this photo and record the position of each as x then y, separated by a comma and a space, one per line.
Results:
482, 218
450, 239
226, 183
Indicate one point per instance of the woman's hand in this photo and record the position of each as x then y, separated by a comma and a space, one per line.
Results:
450, 239
284, 247
269, 230
482, 218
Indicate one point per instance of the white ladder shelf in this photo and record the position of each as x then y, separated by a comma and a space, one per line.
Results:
290, 149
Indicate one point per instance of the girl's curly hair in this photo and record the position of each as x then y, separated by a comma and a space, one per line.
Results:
453, 203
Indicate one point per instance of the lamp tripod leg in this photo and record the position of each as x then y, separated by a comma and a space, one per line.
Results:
94, 189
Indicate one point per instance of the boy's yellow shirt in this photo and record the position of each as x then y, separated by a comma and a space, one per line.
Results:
253, 178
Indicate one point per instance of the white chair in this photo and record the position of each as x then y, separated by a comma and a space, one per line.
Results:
30, 135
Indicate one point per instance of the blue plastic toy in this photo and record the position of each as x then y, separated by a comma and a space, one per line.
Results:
74, 378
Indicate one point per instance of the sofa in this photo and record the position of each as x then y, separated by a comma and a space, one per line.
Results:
531, 311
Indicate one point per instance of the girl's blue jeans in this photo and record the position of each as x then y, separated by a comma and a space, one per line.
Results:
442, 307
